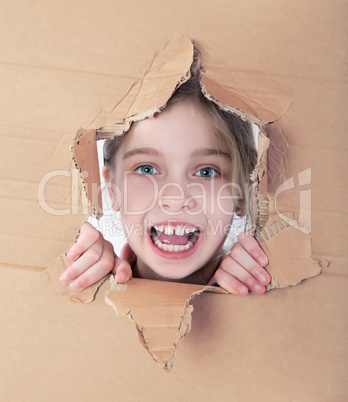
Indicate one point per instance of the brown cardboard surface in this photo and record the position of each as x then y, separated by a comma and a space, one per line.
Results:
160, 311
289, 251
63, 66
175, 63
162, 316
280, 346
85, 156
52, 277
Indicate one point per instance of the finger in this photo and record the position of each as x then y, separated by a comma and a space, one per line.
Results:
212, 280
244, 259
122, 271
238, 272
87, 260
92, 275
128, 254
88, 236
230, 283
251, 245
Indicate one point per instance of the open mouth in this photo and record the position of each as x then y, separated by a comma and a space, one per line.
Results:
174, 238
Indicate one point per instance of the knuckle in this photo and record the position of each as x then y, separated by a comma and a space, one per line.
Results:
108, 264
77, 248
72, 272
94, 255
94, 234
218, 275
249, 282
87, 230
225, 264
84, 282
254, 269
236, 251
245, 238
249, 242
108, 247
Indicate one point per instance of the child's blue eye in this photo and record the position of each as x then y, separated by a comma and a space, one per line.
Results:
146, 170
207, 172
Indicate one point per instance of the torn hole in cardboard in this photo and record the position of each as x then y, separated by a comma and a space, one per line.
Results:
253, 99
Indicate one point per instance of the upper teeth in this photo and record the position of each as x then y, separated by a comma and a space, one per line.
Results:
179, 230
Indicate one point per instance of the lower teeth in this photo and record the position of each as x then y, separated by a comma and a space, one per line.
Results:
173, 247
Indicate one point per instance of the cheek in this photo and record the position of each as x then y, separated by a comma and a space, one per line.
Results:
139, 193
220, 210
220, 201
225, 199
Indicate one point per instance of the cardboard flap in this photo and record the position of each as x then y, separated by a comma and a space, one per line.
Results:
148, 95
290, 264
159, 310
53, 273
85, 155
261, 98
252, 96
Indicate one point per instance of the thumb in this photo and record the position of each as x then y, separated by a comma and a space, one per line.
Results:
128, 254
122, 270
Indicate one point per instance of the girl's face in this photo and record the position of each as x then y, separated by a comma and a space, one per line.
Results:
176, 194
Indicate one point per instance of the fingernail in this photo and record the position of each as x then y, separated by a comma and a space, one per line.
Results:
258, 288
70, 255
242, 290
64, 278
263, 278
262, 260
74, 286
121, 277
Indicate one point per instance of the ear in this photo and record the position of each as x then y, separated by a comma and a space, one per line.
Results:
239, 212
112, 189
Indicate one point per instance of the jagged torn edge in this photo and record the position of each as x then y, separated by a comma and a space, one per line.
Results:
197, 67
56, 268
184, 325
84, 135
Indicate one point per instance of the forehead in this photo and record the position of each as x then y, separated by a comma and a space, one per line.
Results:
184, 124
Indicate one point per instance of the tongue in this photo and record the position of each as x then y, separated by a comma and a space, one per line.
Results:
173, 239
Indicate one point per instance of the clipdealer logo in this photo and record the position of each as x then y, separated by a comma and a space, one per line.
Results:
79, 204
304, 221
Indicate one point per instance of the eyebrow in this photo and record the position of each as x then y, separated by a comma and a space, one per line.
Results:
211, 152
141, 151
197, 153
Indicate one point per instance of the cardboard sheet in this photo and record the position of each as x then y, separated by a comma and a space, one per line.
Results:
52, 277
281, 345
176, 62
159, 310
70, 65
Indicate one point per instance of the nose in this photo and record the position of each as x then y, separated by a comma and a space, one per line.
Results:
175, 198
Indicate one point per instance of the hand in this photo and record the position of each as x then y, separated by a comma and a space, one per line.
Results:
94, 258
243, 269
